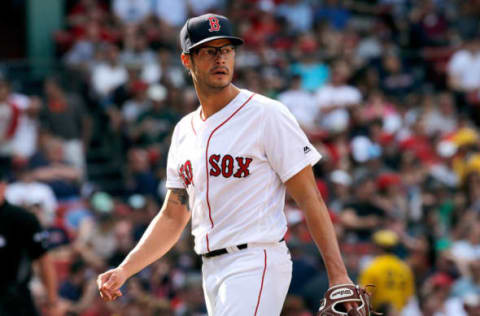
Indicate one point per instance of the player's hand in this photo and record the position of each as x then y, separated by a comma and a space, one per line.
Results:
349, 306
109, 283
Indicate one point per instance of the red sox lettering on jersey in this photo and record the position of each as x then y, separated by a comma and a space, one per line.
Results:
233, 165
226, 166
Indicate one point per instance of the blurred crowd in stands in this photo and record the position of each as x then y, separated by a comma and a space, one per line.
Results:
387, 90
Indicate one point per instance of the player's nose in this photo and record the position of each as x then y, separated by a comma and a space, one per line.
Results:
220, 59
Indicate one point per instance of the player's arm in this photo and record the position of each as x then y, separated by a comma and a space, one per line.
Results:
162, 233
160, 236
303, 189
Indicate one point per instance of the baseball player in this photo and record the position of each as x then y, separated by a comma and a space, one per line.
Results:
229, 165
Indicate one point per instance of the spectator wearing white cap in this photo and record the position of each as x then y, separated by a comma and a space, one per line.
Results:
471, 304
340, 192
153, 126
96, 241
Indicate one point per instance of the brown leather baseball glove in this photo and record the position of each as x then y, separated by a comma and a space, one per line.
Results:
335, 297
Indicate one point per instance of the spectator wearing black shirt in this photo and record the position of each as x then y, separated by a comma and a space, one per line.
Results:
362, 215
22, 242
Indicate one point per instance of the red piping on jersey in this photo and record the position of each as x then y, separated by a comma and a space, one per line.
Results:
206, 153
261, 286
208, 244
193, 128
200, 114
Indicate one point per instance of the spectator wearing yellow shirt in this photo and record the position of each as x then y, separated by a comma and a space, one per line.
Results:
392, 277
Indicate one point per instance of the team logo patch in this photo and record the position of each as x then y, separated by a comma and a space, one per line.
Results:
186, 173
341, 293
214, 24
306, 150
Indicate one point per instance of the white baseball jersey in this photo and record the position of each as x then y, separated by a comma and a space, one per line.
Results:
233, 166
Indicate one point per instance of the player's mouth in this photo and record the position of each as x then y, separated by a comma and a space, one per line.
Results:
220, 71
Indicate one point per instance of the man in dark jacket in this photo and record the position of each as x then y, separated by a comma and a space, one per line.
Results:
22, 242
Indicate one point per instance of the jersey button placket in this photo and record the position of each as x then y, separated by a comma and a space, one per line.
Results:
206, 143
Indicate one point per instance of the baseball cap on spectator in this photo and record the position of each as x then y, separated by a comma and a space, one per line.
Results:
139, 86
308, 44
363, 149
136, 201
465, 137
204, 28
157, 92
471, 300
341, 177
442, 244
388, 179
102, 202
472, 165
385, 238
441, 279
361, 176
446, 148
387, 139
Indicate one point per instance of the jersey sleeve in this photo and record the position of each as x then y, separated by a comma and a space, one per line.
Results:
286, 146
36, 237
174, 180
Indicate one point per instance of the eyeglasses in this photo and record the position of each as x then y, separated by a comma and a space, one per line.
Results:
212, 51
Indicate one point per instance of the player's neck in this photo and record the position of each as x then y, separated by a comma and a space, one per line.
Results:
213, 101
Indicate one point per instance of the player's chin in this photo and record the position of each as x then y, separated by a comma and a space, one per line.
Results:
220, 83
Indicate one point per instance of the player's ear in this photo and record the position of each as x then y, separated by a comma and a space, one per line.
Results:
186, 61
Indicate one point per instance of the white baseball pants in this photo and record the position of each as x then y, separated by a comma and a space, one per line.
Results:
252, 281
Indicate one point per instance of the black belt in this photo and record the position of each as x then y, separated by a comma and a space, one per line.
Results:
223, 251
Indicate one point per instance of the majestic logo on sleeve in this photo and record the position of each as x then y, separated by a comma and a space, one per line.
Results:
186, 173
214, 24
228, 166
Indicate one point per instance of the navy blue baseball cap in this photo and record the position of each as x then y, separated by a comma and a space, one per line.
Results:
205, 28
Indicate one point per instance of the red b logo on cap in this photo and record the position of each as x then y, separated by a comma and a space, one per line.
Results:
214, 24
